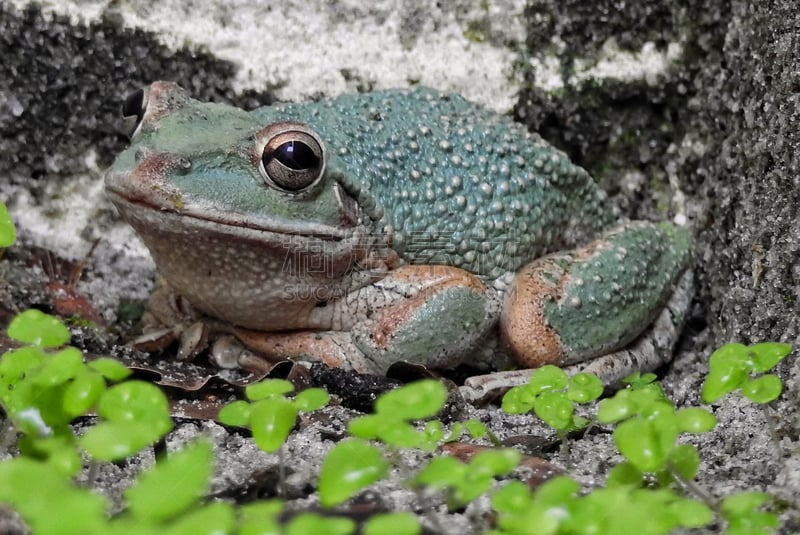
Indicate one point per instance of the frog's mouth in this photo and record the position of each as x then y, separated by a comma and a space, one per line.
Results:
157, 214
169, 234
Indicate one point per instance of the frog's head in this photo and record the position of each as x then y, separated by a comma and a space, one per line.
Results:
218, 197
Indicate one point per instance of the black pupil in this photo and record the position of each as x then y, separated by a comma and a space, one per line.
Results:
296, 155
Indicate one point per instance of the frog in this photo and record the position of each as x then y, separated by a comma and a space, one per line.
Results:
404, 225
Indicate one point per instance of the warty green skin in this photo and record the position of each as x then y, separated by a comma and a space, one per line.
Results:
432, 179
457, 184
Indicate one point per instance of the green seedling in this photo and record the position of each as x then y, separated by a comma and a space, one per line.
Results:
354, 463
394, 412
737, 366
8, 234
647, 431
557, 508
42, 389
269, 414
552, 396
350, 466
465, 482
742, 513
48, 500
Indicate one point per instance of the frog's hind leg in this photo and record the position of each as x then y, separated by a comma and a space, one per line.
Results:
570, 308
651, 349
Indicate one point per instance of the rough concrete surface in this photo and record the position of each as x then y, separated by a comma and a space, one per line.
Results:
682, 110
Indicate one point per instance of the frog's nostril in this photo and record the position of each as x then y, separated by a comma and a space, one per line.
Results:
293, 158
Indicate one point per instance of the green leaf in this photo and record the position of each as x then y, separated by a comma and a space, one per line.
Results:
110, 369
8, 233
496, 462
268, 388
271, 421
135, 401
402, 523
729, 353
434, 431
60, 367
513, 497
555, 409
16, 363
137, 415
236, 413
311, 399
742, 503
639, 380
763, 389
173, 485
59, 451
644, 444
307, 523
584, 387
695, 420
415, 401
692, 513
721, 380
402, 435
618, 408
37, 328
368, 426
444, 471
82, 393
45, 402
556, 491
475, 428
767, 355
47, 501
113, 441
625, 473
350, 466
260, 518
548, 377
456, 429
213, 519
518, 400
473, 485
685, 459
744, 518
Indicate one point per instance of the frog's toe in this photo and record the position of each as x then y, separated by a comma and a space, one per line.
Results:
333, 348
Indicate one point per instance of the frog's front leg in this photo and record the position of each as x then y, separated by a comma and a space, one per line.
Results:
431, 315
568, 308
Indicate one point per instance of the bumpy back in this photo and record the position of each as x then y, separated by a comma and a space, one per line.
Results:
459, 184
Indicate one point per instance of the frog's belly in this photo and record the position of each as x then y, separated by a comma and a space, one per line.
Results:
251, 278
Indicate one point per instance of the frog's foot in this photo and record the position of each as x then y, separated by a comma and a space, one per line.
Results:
653, 348
171, 318
569, 308
431, 315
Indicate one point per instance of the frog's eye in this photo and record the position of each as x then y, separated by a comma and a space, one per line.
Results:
293, 159
134, 106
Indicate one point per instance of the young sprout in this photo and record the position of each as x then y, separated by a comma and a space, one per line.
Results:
553, 396
733, 366
269, 414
